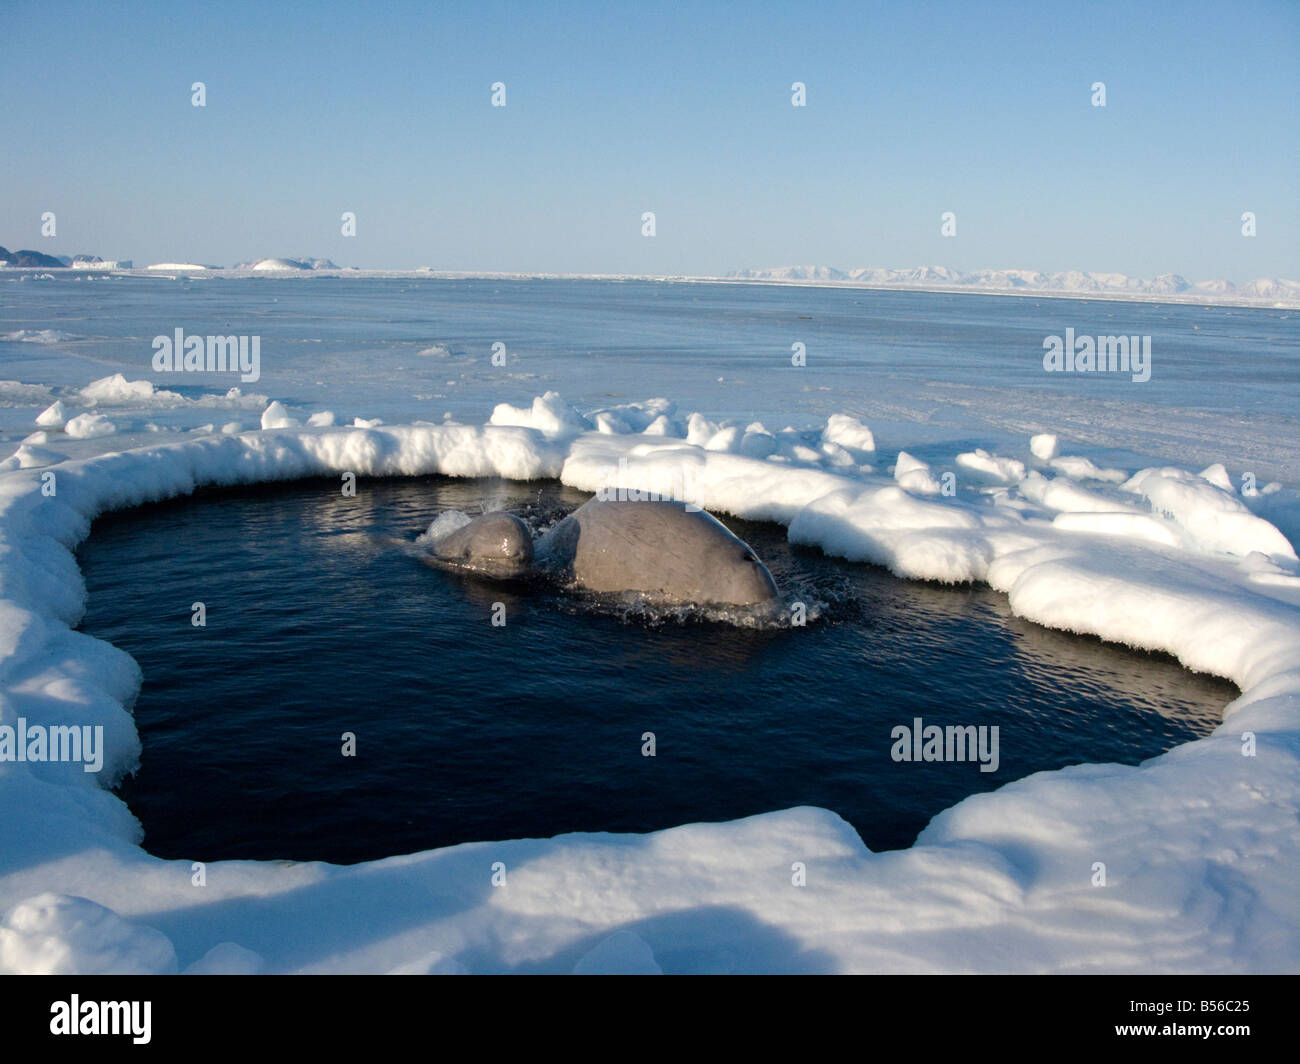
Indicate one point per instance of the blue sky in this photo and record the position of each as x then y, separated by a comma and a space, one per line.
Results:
613, 109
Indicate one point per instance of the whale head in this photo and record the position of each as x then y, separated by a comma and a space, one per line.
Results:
495, 544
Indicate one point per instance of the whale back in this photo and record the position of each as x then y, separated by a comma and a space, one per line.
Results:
660, 549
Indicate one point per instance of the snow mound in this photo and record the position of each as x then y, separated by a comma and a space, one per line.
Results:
87, 426
1212, 517
30, 455
276, 416
851, 434
57, 934
549, 414
1044, 446
118, 390
53, 416
1081, 468
914, 475
623, 953
999, 470
227, 958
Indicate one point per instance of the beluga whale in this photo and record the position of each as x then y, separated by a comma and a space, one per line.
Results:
498, 544
662, 551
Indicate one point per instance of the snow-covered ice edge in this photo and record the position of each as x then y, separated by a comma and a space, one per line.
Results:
1201, 846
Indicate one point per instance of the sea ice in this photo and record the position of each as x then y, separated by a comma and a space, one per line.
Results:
1199, 846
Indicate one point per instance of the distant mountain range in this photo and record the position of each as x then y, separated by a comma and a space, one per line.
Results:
28, 260
942, 278
31, 259
1071, 281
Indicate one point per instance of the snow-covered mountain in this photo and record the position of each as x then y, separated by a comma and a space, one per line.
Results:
1072, 281
793, 273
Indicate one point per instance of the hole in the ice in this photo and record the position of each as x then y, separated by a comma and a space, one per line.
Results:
319, 623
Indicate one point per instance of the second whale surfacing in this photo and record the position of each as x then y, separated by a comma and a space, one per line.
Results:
496, 544
662, 551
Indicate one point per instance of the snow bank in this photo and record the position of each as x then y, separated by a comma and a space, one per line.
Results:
1199, 846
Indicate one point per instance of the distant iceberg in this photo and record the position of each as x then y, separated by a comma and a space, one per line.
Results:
285, 265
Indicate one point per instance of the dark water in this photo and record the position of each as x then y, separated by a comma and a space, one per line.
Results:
320, 623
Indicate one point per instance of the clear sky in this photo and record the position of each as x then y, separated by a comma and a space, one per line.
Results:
613, 109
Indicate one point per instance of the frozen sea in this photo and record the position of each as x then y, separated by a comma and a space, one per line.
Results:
930, 372
890, 480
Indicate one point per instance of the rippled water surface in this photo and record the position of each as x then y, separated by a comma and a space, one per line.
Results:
321, 620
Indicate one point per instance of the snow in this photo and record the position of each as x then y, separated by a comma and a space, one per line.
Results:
86, 426
549, 414
55, 934
276, 416
279, 264
31, 455
1080, 468
914, 475
116, 389
1167, 287
227, 958
1212, 517
623, 953
999, 470
1045, 446
53, 416
35, 336
1199, 845
851, 434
